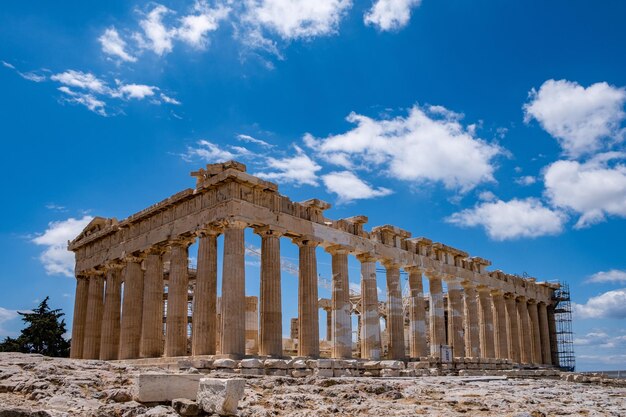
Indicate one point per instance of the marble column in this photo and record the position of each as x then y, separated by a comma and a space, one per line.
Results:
132, 309
499, 325
544, 327
252, 325
329, 324
534, 332
204, 321
512, 328
437, 317
110, 336
554, 348
80, 317
524, 331
234, 290
486, 323
271, 316
308, 319
456, 332
417, 314
395, 316
151, 344
93, 323
177, 298
370, 321
472, 325
341, 333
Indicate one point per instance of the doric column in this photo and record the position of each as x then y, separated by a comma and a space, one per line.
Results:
437, 317
341, 330
417, 314
151, 344
80, 317
177, 298
204, 321
544, 328
472, 327
132, 309
499, 325
512, 328
308, 321
271, 316
534, 331
524, 331
93, 323
395, 317
370, 321
329, 323
486, 322
234, 290
252, 325
456, 332
110, 339
554, 348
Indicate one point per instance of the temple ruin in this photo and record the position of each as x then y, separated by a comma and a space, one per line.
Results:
136, 296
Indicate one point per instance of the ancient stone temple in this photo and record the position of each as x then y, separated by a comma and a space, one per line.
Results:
136, 296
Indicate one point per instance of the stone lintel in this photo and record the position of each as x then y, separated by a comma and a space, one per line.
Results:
316, 204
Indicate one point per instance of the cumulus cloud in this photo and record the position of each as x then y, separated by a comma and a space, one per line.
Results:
208, 152
350, 187
84, 80
195, 27
611, 304
56, 259
136, 91
428, 145
6, 315
390, 14
156, 36
611, 276
512, 219
298, 169
600, 339
113, 45
526, 180
581, 118
593, 189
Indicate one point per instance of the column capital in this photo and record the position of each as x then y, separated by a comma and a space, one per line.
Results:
390, 264
337, 250
509, 296
433, 274
268, 231
413, 268
158, 249
136, 257
305, 241
497, 293
521, 299
114, 264
183, 240
231, 224
531, 301
209, 230
94, 272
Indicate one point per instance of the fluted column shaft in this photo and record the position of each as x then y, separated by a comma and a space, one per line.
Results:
395, 317
132, 310
93, 323
524, 331
486, 323
554, 349
271, 316
80, 317
544, 328
512, 328
234, 291
499, 325
437, 318
151, 344
535, 332
370, 320
204, 320
417, 315
308, 319
472, 325
341, 307
177, 293
110, 339
456, 333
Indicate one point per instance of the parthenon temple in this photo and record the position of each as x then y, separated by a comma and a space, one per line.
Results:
137, 297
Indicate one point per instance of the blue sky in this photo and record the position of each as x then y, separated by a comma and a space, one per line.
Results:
494, 127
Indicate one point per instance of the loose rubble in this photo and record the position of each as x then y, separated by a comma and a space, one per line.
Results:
37, 386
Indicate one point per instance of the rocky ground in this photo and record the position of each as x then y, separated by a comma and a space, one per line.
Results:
33, 385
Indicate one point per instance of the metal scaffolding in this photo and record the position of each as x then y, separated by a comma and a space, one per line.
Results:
564, 333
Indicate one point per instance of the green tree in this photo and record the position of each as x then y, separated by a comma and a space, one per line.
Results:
43, 333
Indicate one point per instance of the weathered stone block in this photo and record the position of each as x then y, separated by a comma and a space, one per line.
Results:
275, 364
298, 364
250, 363
224, 363
185, 407
276, 372
220, 396
325, 363
300, 373
324, 372
252, 371
370, 365
396, 365
387, 373
341, 372
166, 387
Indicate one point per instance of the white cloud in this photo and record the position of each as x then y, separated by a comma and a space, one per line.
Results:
390, 14
56, 259
580, 118
298, 169
250, 139
6, 315
611, 304
208, 151
354, 287
350, 187
115, 46
511, 220
136, 91
293, 19
600, 339
84, 80
169, 100
487, 196
526, 180
30, 76
428, 145
612, 276
194, 27
85, 99
593, 189
156, 36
